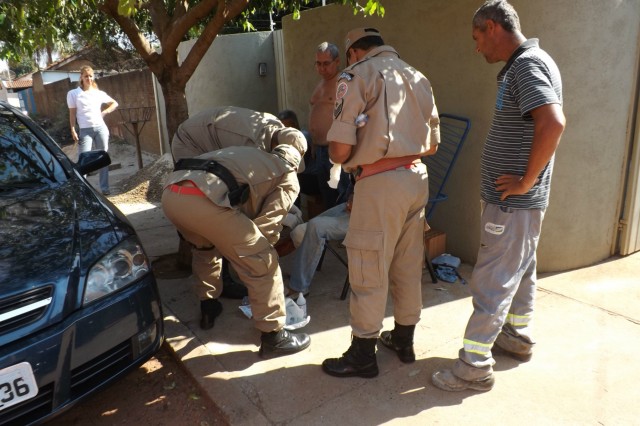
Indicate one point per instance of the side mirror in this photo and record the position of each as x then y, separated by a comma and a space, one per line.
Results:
91, 161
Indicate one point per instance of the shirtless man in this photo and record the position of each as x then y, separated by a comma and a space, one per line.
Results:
321, 116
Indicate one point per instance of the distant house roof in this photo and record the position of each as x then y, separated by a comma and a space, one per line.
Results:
69, 59
17, 84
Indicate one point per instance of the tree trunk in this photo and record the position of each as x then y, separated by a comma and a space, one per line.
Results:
175, 104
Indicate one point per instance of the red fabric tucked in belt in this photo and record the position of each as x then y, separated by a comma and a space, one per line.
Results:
386, 164
181, 189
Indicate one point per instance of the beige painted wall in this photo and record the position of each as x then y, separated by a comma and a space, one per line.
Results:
595, 44
228, 74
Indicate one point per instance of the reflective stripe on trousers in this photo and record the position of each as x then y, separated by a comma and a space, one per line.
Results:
503, 281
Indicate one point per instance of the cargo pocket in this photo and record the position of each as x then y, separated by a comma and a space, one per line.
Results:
495, 222
366, 258
255, 257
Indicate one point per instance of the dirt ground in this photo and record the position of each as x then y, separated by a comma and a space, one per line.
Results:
160, 392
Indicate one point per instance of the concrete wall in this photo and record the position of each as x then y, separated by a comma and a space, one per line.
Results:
228, 74
11, 97
595, 44
51, 99
133, 91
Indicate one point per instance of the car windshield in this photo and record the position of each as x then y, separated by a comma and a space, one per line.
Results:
25, 161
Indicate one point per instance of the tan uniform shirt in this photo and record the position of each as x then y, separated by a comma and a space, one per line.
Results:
370, 87
222, 127
273, 185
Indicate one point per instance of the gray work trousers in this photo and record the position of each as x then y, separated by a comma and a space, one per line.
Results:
503, 283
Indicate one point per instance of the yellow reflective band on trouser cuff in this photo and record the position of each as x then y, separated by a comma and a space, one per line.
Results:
477, 347
518, 320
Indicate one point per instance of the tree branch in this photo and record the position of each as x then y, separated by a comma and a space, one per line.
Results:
180, 25
159, 17
138, 40
180, 9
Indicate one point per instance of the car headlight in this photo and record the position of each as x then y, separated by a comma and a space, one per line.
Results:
123, 265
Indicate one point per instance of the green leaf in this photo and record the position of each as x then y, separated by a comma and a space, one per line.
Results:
127, 7
374, 6
371, 7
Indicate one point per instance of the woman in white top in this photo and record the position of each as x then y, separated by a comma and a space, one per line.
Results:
85, 106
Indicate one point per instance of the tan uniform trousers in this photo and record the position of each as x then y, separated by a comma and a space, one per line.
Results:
385, 247
237, 238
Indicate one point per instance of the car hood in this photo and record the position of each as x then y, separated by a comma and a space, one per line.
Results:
51, 237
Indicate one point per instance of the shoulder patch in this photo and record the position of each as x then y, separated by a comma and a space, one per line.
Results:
345, 76
341, 90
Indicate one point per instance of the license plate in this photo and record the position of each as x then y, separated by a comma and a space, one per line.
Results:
17, 384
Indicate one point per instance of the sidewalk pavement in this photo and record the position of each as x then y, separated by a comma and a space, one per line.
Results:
584, 369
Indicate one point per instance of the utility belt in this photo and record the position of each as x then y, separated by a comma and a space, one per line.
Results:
384, 165
238, 194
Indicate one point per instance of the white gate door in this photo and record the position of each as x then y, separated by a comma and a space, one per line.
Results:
281, 81
630, 233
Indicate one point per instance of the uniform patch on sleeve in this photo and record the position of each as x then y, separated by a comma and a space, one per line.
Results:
342, 90
338, 108
345, 76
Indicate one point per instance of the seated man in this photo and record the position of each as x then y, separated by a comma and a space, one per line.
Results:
231, 203
332, 224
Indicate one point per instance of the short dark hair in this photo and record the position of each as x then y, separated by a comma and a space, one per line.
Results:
287, 114
367, 42
498, 11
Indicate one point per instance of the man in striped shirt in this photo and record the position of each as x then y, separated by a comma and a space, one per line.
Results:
516, 167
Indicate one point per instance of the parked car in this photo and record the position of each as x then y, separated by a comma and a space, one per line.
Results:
79, 305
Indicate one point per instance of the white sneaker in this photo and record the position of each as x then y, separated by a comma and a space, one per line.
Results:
296, 314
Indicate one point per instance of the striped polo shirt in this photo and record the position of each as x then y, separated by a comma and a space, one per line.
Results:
529, 80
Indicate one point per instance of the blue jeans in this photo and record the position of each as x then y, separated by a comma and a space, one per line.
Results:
96, 138
331, 224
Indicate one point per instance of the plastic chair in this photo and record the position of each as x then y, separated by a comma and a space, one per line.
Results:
453, 133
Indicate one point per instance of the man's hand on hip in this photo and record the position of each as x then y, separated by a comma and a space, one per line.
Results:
512, 185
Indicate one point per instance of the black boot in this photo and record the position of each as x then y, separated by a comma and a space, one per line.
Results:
359, 360
282, 342
400, 339
210, 309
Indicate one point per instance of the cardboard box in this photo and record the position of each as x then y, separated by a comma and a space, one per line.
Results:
435, 243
